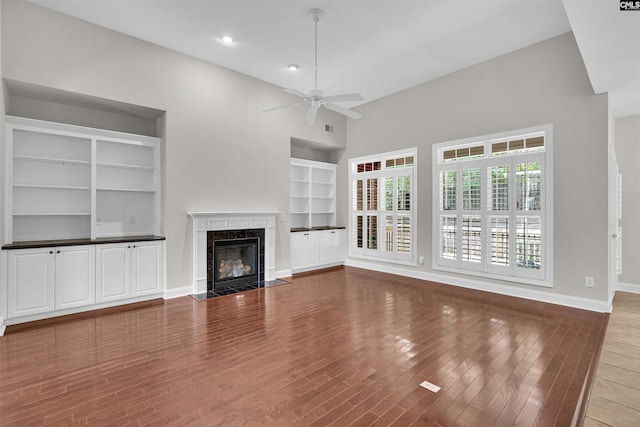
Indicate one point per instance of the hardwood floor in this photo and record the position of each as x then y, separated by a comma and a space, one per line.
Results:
342, 347
615, 397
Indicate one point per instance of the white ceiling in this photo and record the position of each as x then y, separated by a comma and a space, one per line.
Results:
377, 47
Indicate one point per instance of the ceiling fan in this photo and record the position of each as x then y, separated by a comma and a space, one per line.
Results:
315, 98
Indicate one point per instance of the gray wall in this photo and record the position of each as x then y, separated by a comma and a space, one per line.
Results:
543, 83
213, 128
627, 147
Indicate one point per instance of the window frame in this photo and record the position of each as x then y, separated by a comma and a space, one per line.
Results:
379, 254
456, 162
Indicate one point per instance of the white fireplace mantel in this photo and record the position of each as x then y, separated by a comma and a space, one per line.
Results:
216, 221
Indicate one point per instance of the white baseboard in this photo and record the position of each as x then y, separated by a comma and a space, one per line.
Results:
283, 273
480, 285
628, 287
3, 327
178, 292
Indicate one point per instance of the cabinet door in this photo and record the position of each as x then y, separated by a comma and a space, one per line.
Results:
338, 246
75, 276
298, 242
331, 246
113, 268
146, 267
312, 248
305, 250
30, 281
326, 246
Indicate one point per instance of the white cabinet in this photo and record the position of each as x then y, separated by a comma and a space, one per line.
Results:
126, 270
75, 276
31, 277
146, 268
46, 279
315, 249
313, 194
331, 243
53, 281
72, 182
113, 272
305, 250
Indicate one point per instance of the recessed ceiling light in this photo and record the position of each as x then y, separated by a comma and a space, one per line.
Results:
227, 40
292, 67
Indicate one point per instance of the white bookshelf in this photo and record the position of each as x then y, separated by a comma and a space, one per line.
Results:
72, 182
313, 194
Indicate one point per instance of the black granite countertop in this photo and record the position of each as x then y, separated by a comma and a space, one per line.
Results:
32, 244
299, 229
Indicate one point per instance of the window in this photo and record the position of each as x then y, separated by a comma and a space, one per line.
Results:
492, 206
382, 200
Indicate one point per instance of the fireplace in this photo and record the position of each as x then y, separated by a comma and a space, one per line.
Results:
234, 258
205, 222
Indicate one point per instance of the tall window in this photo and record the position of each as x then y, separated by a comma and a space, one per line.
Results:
492, 207
382, 195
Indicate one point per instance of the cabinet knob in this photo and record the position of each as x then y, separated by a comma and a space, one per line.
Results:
129, 247
50, 252
57, 251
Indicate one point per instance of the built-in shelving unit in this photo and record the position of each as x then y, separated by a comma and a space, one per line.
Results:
127, 174
313, 194
72, 182
82, 220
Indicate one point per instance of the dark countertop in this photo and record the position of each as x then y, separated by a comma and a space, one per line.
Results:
299, 229
32, 244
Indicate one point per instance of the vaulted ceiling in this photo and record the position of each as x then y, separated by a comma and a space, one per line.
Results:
377, 47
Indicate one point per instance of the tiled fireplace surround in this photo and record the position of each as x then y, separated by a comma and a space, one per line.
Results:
217, 221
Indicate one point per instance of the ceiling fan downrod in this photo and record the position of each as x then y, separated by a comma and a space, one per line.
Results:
315, 14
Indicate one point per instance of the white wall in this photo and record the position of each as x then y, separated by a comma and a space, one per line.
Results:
221, 152
628, 154
540, 84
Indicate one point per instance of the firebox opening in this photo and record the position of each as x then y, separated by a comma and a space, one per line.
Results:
235, 262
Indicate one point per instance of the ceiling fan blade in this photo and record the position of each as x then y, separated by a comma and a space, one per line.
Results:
349, 113
344, 97
296, 93
311, 114
268, 110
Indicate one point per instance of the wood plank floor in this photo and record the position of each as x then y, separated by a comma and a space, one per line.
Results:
615, 396
342, 347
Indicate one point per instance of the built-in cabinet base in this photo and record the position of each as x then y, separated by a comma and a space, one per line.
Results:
315, 249
50, 281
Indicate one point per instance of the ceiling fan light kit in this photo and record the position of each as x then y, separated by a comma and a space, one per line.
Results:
315, 98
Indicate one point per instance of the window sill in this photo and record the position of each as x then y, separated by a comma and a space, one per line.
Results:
384, 259
520, 280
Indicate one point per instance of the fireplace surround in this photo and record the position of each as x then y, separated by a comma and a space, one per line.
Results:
204, 222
